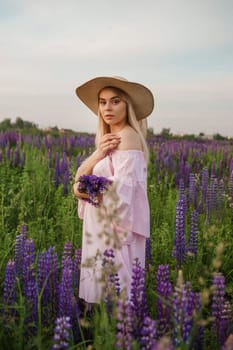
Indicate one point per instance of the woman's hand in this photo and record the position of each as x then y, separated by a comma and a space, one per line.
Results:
78, 194
107, 143
83, 195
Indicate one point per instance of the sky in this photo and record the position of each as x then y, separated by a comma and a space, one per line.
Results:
181, 49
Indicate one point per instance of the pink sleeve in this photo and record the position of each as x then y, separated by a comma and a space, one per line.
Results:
81, 208
130, 177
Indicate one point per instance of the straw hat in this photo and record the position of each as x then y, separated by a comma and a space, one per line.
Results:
141, 97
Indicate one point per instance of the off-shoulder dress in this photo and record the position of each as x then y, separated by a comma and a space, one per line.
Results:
128, 171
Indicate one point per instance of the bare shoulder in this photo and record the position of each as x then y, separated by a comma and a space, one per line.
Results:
130, 139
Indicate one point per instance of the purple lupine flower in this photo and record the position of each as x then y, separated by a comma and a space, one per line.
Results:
213, 169
192, 191
177, 305
48, 280
182, 194
28, 260
75, 320
19, 248
220, 198
57, 170
31, 295
62, 333
9, 285
204, 185
93, 185
193, 242
218, 303
111, 279
65, 292
212, 198
47, 141
185, 304
179, 250
64, 173
124, 328
226, 324
29, 280
67, 250
191, 303
164, 292
138, 305
148, 334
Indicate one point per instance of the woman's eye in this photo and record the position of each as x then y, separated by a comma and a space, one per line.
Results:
116, 101
102, 103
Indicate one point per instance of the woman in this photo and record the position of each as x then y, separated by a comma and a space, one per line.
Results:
121, 156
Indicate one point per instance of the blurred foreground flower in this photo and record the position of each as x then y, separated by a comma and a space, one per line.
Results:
62, 333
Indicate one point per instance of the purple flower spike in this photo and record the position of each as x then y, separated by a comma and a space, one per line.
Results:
139, 308
179, 250
67, 256
192, 190
19, 248
193, 243
62, 333
164, 291
148, 334
29, 280
123, 326
9, 293
110, 275
218, 303
47, 279
57, 170
65, 292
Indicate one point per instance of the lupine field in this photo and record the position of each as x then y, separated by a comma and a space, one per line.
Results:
183, 299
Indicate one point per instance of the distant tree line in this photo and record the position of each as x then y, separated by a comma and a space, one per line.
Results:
25, 126
19, 124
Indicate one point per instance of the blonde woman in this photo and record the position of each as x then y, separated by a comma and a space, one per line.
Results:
121, 156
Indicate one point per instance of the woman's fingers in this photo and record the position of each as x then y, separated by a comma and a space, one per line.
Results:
108, 142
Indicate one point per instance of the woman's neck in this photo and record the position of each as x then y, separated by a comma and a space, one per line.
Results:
118, 128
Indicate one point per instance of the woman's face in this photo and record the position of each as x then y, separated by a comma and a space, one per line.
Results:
113, 108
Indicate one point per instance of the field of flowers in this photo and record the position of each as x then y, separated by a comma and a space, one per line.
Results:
183, 299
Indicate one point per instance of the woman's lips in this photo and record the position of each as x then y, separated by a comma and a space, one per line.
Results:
108, 116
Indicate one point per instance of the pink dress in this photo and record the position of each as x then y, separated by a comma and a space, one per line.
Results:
128, 171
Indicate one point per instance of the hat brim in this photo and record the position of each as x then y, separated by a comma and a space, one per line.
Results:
141, 97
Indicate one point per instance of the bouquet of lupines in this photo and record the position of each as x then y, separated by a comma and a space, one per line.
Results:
94, 186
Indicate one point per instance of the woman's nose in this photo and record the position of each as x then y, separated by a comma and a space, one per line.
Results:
108, 105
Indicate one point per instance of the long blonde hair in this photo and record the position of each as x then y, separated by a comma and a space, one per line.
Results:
140, 126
